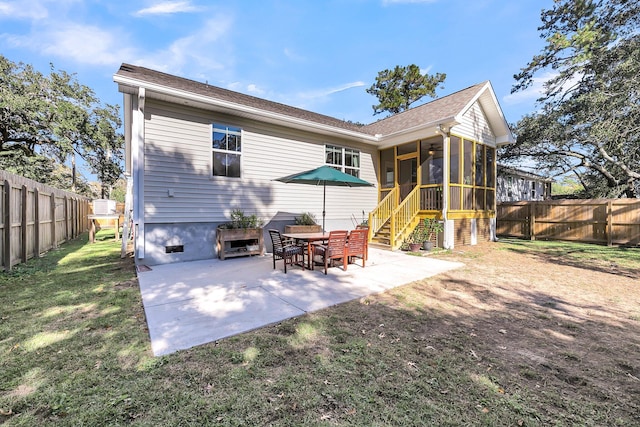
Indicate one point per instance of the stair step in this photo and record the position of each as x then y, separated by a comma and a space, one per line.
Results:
381, 241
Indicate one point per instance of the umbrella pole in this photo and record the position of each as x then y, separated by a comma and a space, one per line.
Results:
324, 198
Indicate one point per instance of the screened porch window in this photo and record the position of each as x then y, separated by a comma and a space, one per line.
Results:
473, 181
346, 160
431, 160
454, 160
226, 146
388, 171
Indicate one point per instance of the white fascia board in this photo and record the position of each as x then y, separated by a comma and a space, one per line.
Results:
504, 136
416, 132
505, 139
476, 97
281, 118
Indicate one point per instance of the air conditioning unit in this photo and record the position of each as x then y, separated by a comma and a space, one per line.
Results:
104, 207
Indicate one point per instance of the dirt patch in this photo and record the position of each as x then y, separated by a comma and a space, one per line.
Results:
566, 331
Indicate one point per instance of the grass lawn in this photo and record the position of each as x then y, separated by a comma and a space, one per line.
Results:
526, 334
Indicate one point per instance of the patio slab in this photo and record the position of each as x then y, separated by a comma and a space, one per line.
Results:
193, 303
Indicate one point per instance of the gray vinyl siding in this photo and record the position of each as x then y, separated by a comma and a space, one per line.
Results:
475, 126
178, 158
513, 188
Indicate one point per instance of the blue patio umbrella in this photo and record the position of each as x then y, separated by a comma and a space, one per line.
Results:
325, 176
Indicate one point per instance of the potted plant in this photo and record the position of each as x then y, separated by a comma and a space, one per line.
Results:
243, 235
430, 226
414, 240
305, 223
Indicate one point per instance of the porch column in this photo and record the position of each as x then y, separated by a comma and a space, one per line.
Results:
448, 232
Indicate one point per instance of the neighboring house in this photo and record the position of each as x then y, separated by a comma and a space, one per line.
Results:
195, 152
515, 185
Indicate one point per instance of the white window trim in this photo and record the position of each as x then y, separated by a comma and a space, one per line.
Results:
343, 167
217, 150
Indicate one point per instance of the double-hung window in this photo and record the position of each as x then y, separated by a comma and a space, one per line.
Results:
227, 150
346, 160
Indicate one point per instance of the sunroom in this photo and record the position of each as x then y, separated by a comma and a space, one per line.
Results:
447, 171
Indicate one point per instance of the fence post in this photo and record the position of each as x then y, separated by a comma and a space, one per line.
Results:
610, 223
532, 221
7, 225
54, 239
36, 223
74, 216
66, 219
23, 224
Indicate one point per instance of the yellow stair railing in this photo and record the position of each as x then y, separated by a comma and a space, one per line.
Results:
381, 214
403, 218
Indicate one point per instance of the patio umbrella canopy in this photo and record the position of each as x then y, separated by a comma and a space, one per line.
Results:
325, 175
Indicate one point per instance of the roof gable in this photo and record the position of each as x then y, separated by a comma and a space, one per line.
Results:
439, 110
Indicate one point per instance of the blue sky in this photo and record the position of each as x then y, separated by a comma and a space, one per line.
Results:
317, 55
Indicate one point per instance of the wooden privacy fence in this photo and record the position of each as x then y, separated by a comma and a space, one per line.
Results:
36, 218
608, 221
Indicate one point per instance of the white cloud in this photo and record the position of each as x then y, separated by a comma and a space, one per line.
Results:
531, 94
195, 51
307, 100
250, 88
321, 93
537, 89
311, 99
191, 55
167, 8
255, 90
426, 70
81, 43
20, 10
35, 10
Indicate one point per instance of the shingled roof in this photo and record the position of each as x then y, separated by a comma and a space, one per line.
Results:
441, 109
156, 77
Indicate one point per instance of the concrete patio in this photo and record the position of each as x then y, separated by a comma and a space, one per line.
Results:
193, 303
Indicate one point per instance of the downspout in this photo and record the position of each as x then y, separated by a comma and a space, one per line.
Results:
137, 159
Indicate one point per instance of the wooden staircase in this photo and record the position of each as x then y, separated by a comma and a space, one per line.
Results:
382, 238
391, 222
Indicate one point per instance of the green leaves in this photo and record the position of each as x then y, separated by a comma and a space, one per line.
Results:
46, 119
590, 111
397, 89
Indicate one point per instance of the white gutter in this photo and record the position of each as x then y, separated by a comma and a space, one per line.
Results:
301, 123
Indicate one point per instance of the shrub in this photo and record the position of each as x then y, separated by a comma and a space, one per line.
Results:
306, 218
240, 220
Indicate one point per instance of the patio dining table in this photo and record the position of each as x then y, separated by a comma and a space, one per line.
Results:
309, 238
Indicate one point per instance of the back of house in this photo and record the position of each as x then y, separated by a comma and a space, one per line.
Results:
196, 152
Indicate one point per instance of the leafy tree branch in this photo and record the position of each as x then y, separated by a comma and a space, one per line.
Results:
397, 89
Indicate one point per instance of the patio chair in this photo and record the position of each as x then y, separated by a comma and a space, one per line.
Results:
286, 250
357, 244
365, 227
335, 248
